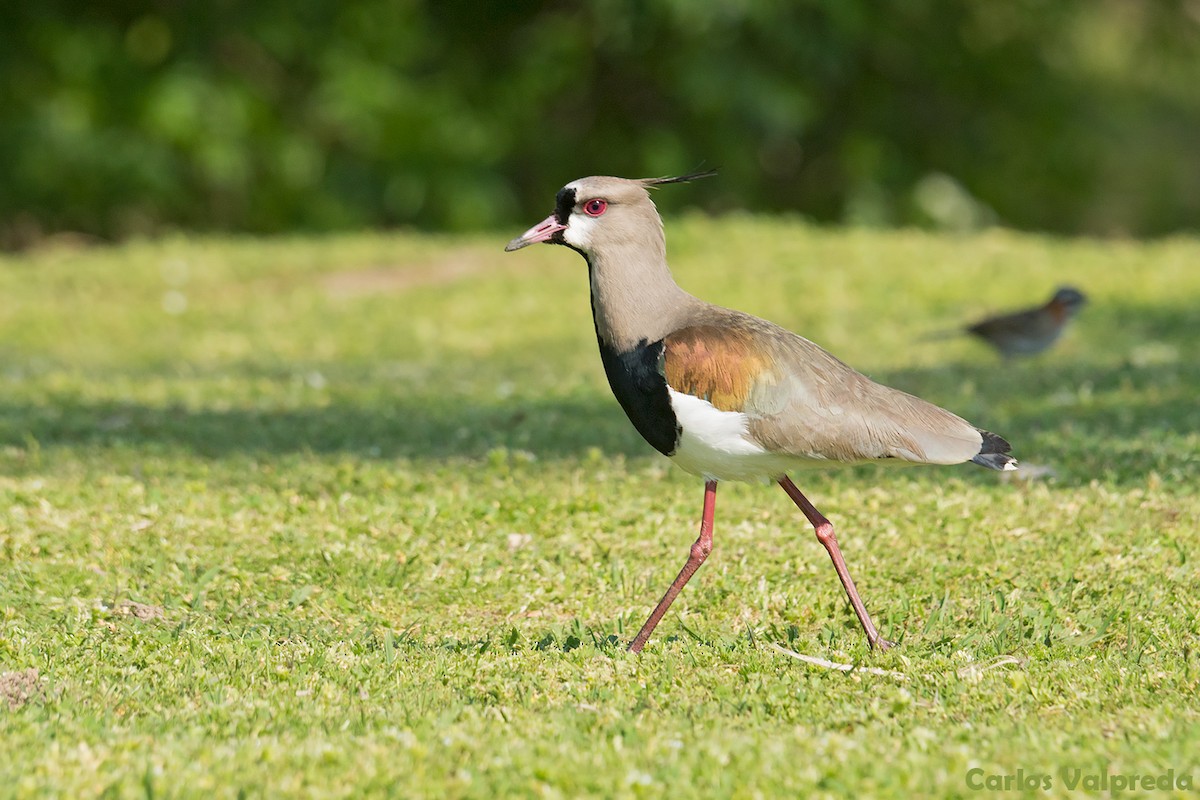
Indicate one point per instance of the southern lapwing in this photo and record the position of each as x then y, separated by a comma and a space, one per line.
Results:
728, 396
1033, 330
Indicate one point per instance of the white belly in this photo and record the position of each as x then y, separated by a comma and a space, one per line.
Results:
717, 444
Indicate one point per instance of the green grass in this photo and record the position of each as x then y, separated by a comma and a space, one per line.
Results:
361, 517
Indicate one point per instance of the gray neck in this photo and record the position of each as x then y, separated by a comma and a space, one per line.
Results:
634, 297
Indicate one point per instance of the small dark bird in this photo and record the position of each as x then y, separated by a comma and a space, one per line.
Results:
1030, 331
728, 396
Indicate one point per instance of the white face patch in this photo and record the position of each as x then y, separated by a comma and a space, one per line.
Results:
580, 228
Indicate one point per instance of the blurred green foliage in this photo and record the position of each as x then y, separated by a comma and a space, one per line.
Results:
1066, 115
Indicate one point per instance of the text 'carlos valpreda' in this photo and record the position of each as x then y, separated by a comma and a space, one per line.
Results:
1079, 779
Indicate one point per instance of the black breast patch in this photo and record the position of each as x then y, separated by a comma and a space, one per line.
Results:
637, 381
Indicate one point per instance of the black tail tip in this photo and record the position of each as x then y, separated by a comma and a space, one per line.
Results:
994, 452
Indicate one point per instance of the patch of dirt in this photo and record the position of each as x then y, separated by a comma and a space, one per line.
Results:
140, 610
460, 263
21, 687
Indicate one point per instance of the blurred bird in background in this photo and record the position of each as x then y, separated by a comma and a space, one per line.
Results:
1030, 331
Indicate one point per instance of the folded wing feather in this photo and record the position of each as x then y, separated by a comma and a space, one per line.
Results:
804, 402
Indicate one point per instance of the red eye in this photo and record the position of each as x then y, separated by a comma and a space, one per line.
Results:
594, 208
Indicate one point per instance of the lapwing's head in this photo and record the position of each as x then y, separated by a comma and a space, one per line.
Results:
592, 213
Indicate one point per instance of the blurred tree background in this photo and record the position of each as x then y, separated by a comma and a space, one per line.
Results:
125, 117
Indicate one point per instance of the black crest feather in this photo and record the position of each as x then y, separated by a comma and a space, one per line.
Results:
692, 176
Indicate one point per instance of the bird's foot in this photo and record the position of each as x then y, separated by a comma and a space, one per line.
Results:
881, 644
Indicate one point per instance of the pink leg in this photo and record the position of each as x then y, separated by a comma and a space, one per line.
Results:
700, 550
825, 536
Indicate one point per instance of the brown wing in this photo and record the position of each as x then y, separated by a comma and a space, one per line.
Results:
715, 363
804, 402
1033, 322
